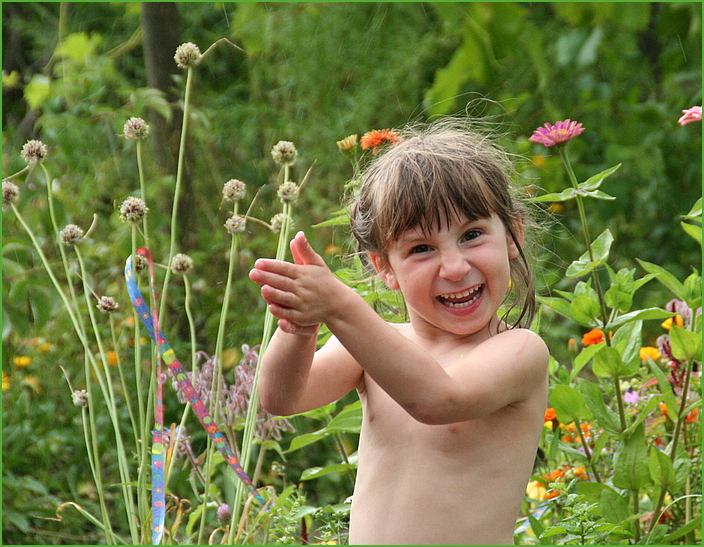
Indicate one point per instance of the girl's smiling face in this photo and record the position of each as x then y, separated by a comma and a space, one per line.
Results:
454, 277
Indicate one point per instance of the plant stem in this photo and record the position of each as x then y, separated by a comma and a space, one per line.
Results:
142, 189
587, 451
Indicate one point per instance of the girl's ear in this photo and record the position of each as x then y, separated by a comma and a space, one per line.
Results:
519, 234
384, 271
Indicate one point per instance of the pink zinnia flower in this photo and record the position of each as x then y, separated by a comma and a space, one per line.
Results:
561, 132
690, 115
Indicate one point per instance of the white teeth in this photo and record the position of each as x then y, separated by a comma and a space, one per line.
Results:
459, 295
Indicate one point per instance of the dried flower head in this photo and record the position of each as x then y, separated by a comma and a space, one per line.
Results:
10, 191
135, 129
288, 192
234, 190
560, 133
72, 234
141, 262
377, 137
34, 151
181, 263
80, 397
107, 304
187, 55
284, 152
348, 143
277, 222
690, 115
235, 224
133, 210
224, 513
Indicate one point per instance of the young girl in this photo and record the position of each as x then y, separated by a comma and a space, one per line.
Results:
454, 400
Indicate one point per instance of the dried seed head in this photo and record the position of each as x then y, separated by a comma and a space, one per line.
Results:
348, 143
277, 222
235, 224
181, 263
10, 191
284, 152
224, 513
135, 129
107, 304
288, 192
33, 152
141, 262
234, 190
133, 210
187, 55
72, 234
80, 397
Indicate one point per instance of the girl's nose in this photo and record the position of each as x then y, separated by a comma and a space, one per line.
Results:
453, 265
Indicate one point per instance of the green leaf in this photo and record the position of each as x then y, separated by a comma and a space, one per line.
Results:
592, 183
600, 249
631, 462
316, 472
594, 399
665, 277
692, 230
694, 524
569, 404
79, 45
585, 311
608, 363
584, 357
37, 91
614, 507
648, 313
565, 195
661, 469
686, 345
665, 388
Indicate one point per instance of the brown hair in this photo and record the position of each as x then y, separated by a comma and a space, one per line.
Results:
436, 172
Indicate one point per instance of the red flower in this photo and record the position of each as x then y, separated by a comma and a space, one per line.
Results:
561, 132
375, 138
594, 336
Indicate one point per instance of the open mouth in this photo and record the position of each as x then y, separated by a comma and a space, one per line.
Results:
462, 299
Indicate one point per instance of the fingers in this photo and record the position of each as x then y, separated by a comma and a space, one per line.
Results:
294, 328
303, 253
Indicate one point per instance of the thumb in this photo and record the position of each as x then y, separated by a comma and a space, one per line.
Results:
303, 253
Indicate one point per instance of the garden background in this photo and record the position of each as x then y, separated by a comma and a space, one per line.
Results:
314, 73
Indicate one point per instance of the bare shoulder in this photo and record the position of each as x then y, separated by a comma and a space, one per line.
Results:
523, 343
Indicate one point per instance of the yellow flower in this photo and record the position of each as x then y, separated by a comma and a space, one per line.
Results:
649, 352
667, 324
111, 358
536, 490
5, 381
22, 361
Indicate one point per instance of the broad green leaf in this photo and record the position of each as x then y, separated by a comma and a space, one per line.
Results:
692, 230
614, 507
592, 183
559, 305
631, 462
648, 313
661, 469
608, 363
694, 524
585, 311
78, 45
37, 91
600, 249
584, 357
665, 389
316, 472
665, 277
686, 345
569, 404
594, 399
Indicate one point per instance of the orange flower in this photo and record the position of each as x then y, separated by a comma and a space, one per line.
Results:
594, 336
649, 352
550, 415
692, 416
677, 320
375, 138
551, 495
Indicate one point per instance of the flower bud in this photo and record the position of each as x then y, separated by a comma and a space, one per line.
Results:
224, 514
277, 222
235, 224
234, 190
284, 152
187, 55
348, 143
288, 192
181, 263
80, 397
72, 234
33, 152
107, 304
133, 210
10, 191
135, 129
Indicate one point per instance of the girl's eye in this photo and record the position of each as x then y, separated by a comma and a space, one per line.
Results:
471, 234
420, 249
